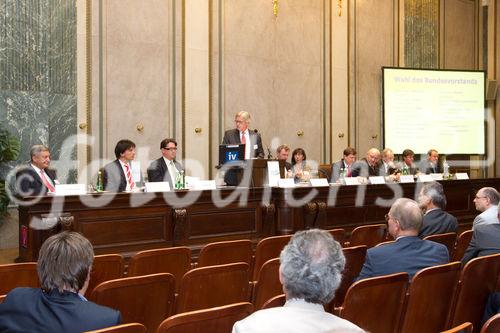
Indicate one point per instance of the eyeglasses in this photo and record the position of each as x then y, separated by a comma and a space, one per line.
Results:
172, 148
387, 217
477, 197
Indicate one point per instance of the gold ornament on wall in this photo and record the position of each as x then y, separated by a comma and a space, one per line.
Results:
339, 8
275, 8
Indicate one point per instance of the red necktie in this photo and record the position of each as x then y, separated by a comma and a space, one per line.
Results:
244, 141
348, 171
129, 177
46, 182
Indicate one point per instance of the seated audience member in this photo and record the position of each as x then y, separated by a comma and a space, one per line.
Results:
35, 178
430, 164
408, 253
345, 164
486, 202
492, 306
432, 201
485, 240
117, 175
310, 271
282, 155
300, 170
64, 267
368, 166
407, 167
166, 168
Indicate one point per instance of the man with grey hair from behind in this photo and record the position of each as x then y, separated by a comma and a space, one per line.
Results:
432, 201
63, 268
310, 272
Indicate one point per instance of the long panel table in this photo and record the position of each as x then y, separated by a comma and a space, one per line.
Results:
129, 222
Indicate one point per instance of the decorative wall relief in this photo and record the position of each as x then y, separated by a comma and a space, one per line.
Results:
421, 33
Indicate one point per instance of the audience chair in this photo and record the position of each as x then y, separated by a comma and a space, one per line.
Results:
2, 297
227, 252
338, 235
173, 260
268, 248
18, 275
210, 286
275, 302
214, 320
376, 304
478, 279
369, 235
447, 239
430, 296
462, 245
492, 325
354, 260
268, 283
147, 299
384, 243
104, 268
464, 328
125, 328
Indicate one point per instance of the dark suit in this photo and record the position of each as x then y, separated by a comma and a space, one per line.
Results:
492, 306
29, 183
438, 221
113, 177
32, 310
232, 137
485, 241
363, 169
425, 167
408, 254
390, 169
158, 171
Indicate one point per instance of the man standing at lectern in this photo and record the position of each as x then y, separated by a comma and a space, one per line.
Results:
241, 134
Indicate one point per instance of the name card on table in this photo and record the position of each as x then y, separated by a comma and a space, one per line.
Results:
377, 180
157, 187
461, 176
286, 182
406, 179
352, 181
425, 178
436, 176
190, 182
70, 189
319, 182
273, 173
205, 185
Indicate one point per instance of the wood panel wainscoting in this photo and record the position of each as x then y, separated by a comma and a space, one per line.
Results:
129, 222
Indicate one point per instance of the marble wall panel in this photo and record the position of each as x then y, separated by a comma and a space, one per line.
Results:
38, 73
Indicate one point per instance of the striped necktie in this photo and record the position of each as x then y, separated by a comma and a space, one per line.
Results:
128, 172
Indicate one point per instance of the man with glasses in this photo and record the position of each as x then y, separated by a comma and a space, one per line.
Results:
408, 253
485, 236
486, 202
166, 168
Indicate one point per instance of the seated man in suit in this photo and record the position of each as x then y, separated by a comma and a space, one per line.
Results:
432, 201
368, 166
242, 134
486, 202
310, 271
407, 167
485, 239
387, 167
408, 253
282, 153
117, 175
166, 168
64, 265
430, 164
36, 178
345, 164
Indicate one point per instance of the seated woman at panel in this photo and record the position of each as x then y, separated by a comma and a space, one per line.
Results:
300, 171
